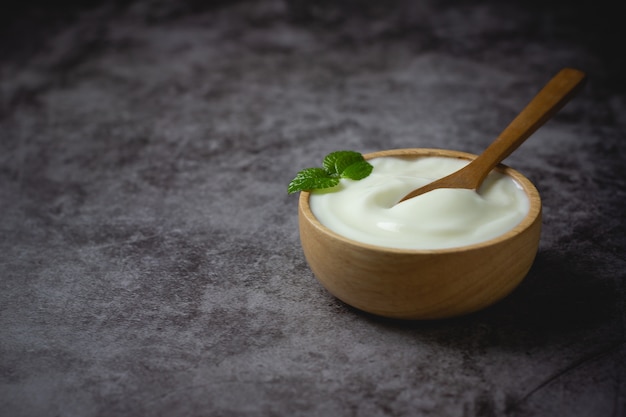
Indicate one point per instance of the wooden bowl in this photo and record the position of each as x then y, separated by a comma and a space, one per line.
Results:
422, 284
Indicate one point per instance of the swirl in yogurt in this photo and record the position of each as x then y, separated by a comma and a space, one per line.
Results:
366, 210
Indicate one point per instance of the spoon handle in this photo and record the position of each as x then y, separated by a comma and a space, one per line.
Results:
558, 91
548, 101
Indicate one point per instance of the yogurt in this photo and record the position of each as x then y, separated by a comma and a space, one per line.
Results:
367, 210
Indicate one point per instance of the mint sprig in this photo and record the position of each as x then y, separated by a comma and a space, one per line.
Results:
336, 165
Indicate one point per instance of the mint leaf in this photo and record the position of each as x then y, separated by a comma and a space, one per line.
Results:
336, 165
312, 179
337, 162
358, 170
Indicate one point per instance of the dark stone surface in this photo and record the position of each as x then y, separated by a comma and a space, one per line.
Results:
149, 254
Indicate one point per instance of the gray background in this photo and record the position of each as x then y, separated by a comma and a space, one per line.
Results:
149, 254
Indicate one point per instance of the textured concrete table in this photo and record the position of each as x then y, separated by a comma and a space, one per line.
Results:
149, 253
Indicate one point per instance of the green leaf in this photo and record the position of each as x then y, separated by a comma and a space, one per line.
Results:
336, 165
358, 170
312, 179
336, 162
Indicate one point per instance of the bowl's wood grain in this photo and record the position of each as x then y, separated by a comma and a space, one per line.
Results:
422, 284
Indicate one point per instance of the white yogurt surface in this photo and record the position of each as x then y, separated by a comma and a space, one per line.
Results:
366, 210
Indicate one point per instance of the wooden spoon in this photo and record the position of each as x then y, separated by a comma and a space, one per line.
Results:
558, 91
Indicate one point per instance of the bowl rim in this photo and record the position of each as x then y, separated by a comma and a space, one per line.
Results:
534, 209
